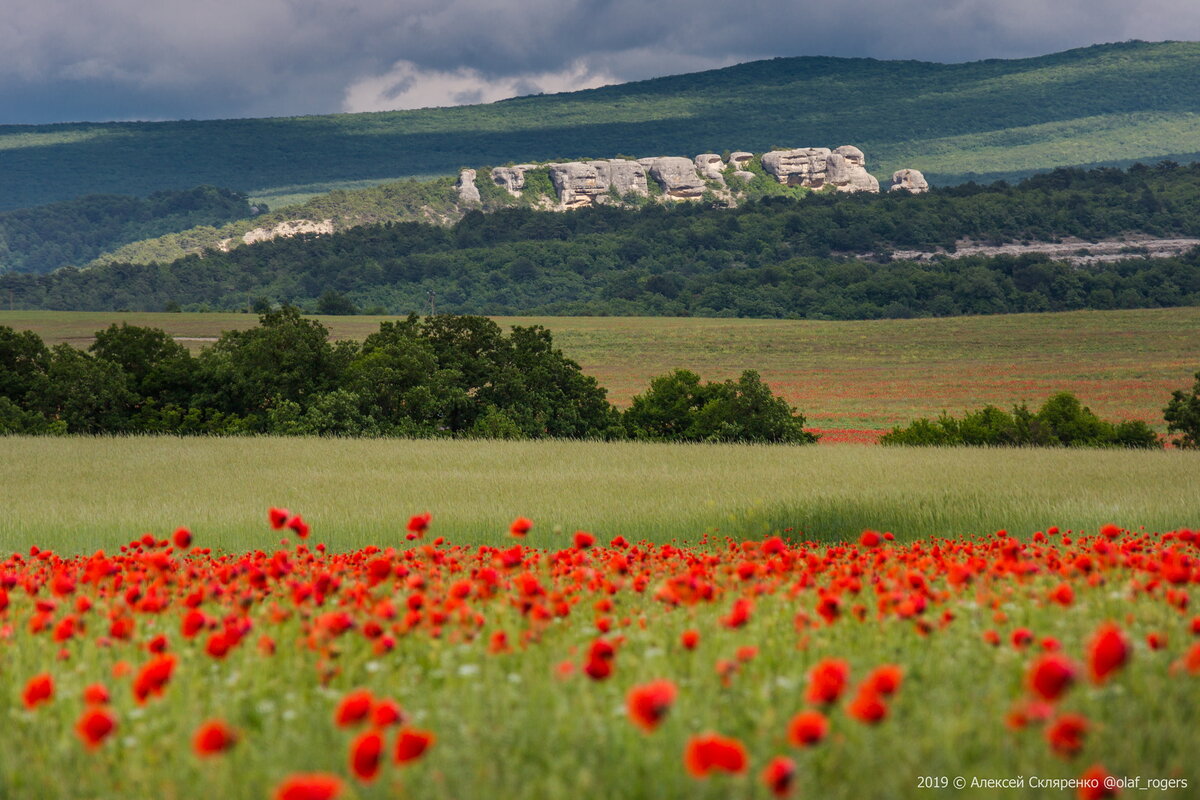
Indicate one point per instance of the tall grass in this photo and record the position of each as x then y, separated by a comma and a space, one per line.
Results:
80, 494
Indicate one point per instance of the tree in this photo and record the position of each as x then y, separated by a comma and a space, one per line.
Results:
1183, 415
677, 407
335, 304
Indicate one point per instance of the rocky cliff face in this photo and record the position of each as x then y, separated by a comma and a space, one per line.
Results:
578, 184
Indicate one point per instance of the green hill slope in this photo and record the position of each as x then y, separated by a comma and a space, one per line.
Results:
1111, 104
778, 257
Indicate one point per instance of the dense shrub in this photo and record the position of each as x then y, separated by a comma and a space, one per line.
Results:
1062, 421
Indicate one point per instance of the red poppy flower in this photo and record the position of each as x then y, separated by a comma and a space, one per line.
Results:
309, 786
520, 526
1066, 734
739, 615
1021, 637
354, 708
95, 695
419, 523
213, 737
299, 526
711, 751
584, 540
807, 728
1095, 784
152, 679
364, 756
870, 539
1051, 676
828, 681
649, 703
885, 679
39, 689
385, 713
182, 538
1108, 651
411, 744
600, 660
867, 707
779, 775
1156, 640
278, 517
94, 726
689, 639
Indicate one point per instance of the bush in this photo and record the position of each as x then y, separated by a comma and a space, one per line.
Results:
1062, 421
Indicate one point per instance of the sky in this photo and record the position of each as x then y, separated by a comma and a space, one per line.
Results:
100, 60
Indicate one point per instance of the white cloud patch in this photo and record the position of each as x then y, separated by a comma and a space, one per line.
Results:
407, 85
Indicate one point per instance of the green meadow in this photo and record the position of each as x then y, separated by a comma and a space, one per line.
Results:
81, 494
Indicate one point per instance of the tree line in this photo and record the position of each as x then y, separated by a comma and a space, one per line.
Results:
72, 233
455, 376
778, 257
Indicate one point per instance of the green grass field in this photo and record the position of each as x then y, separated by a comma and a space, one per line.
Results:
80, 494
842, 375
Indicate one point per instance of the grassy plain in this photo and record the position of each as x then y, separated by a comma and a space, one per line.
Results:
844, 376
79, 494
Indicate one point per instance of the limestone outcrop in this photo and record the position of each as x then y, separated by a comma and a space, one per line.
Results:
710, 166
576, 184
908, 180
468, 192
740, 159
622, 176
295, 227
512, 178
677, 176
817, 167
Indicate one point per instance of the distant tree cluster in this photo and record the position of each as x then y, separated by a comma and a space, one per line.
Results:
1062, 421
440, 376
779, 257
74, 232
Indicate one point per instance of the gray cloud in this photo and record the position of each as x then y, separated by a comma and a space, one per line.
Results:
83, 59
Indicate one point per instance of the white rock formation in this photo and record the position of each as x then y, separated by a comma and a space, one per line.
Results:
909, 180
816, 167
710, 166
622, 176
677, 177
577, 184
295, 227
468, 192
512, 178
739, 159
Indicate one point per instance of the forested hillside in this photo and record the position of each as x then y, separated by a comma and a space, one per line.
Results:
74, 232
1107, 104
817, 256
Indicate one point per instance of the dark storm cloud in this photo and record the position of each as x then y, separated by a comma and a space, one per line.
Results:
83, 59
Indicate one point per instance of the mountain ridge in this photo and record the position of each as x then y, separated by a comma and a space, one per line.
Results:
1105, 104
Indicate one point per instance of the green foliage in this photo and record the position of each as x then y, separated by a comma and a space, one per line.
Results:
677, 407
335, 304
1062, 421
75, 232
1183, 415
995, 117
779, 257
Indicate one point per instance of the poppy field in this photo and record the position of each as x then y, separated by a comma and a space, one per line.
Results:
552, 664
